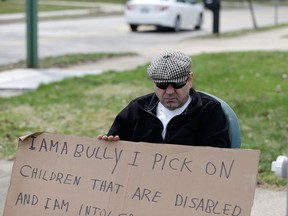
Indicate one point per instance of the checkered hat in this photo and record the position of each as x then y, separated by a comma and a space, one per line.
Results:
170, 67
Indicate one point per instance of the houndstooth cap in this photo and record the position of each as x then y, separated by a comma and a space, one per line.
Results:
170, 67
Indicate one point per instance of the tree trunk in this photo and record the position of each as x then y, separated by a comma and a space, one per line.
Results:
252, 13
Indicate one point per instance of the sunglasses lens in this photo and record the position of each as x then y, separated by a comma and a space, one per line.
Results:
178, 85
162, 85
174, 85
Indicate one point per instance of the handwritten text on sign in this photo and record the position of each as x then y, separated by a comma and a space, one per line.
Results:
69, 175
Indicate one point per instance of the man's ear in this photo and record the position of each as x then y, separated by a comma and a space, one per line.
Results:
191, 77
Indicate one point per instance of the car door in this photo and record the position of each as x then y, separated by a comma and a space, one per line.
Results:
191, 14
182, 12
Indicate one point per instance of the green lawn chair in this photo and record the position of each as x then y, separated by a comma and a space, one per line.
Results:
234, 127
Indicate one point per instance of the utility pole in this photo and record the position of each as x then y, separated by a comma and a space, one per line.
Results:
32, 33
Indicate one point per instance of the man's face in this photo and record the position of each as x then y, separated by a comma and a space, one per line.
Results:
173, 98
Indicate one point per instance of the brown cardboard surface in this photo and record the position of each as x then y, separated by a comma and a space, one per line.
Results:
57, 174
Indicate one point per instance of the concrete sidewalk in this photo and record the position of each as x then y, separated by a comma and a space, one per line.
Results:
5, 174
16, 81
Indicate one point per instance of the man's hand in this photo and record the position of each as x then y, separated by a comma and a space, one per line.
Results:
108, 138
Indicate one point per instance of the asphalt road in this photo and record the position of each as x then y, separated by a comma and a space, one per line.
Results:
112, 34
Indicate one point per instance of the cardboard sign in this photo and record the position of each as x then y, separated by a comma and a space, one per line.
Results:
68, 175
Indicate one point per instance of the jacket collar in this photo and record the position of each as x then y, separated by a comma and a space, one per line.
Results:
149, 102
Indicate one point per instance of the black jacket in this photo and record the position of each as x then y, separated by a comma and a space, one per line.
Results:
203, 123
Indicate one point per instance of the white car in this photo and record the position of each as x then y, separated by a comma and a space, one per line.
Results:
175, 14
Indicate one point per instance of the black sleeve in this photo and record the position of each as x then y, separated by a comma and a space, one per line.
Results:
215, 128
123, 124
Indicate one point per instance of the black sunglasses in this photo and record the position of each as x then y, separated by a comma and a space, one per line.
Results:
174, 85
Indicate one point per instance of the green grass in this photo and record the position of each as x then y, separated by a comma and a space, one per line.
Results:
66, 60
19, 6
242, 32
254, 84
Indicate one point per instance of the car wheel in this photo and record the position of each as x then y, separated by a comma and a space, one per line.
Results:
160, 28
199, 23
177, 24
133, 27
